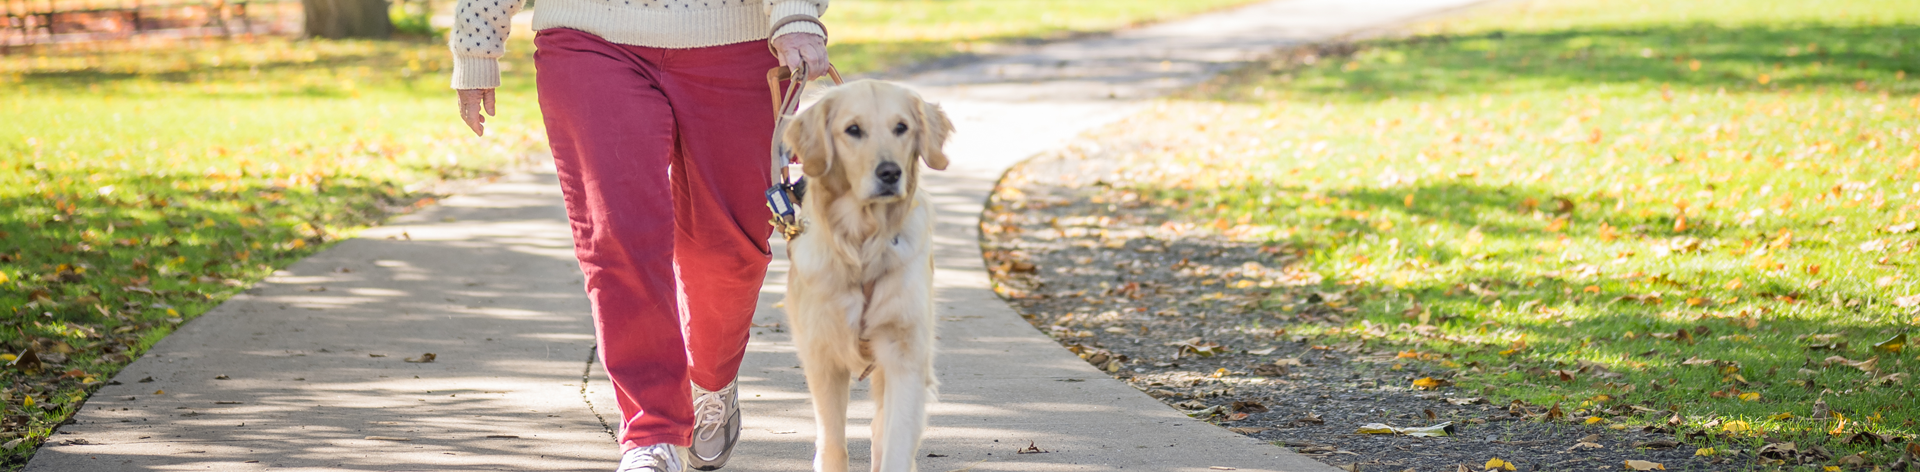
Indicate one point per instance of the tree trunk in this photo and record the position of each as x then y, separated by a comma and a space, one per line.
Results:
336, 19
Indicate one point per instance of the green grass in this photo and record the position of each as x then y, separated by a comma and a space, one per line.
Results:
1566, 186
141, 185
873, 35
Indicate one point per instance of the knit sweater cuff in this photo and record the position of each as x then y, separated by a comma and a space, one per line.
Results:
796, 7
475, 72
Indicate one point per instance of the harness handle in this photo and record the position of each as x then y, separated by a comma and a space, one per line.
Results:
782, 198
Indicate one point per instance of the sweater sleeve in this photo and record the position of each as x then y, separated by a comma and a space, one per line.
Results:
777, 9
478, 40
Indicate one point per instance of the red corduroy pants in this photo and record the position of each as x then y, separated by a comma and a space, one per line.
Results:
662, 159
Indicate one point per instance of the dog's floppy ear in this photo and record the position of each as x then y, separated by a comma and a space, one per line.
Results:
934, 129
808, 136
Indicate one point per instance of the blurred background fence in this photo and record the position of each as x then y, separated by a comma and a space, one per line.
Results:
40, 22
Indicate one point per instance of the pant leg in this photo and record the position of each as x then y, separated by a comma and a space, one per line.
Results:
721, 104
612, 132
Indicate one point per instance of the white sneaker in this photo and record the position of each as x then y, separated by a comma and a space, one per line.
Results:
661, 457
716, 426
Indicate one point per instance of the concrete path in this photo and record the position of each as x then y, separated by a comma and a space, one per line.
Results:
310, 369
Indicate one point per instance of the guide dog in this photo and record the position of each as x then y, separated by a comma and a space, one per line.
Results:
860, 290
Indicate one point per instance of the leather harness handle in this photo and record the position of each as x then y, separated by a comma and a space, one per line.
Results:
781, 73
784, 103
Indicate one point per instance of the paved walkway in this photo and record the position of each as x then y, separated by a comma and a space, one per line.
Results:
309, 370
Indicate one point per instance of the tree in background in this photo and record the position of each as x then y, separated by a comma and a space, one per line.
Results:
337, 19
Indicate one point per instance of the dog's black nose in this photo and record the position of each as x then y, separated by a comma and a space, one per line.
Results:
888, 172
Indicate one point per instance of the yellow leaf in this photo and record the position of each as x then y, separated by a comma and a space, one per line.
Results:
28, 402
1749, 396
1595, 420
1892, 345
1832, 468
3, 277
8, 357
159, 392
1736, 426
1644, 465
1704, 452
1497, 464
1782, 416
1735, 284
1428, 383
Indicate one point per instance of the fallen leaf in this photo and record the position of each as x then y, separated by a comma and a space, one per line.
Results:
1644, 465
1246, 430
1497, 464
1311, 418
1736, 426
1442, 429
1430, 383
1892, 345
1657, 444
424, 358
1705, 452
1032, 449
1903, 228
1907, 301
1853, 460
387, 438
1869, 365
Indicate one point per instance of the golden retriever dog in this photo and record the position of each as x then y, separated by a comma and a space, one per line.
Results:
860, 290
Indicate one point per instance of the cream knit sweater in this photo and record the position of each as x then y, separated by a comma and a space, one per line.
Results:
480, 27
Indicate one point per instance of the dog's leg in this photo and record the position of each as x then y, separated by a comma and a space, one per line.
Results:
878, 389
901, 394
829, 385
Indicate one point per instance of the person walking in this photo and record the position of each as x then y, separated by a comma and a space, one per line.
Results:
658, 115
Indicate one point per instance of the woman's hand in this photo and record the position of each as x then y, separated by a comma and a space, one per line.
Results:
795, 49
472, 101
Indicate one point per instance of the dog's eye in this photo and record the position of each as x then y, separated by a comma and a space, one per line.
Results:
899, 129
854, 131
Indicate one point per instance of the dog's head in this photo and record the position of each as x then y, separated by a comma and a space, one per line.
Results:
861, 138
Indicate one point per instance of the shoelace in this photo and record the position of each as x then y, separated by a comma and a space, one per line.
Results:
657, 458
711, 410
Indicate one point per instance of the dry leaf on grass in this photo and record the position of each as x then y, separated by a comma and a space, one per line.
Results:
1892, 345
1442, 429
1644, 465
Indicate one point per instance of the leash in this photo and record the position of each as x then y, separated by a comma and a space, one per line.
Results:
783, 197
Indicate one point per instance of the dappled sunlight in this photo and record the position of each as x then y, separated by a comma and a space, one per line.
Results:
507, 353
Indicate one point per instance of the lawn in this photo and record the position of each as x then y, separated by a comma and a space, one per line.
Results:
1702, 207
142, 185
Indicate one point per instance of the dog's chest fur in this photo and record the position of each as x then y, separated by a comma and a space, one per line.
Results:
855, 267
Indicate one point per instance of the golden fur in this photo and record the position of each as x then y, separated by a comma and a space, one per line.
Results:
864, 237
